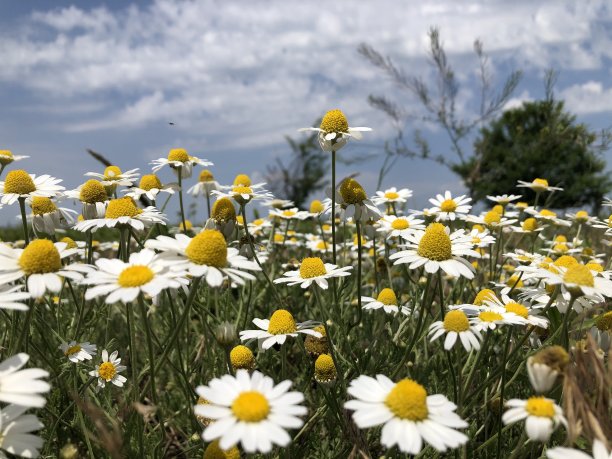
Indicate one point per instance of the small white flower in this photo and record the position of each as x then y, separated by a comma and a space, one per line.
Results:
311, 270
113, 176
20, 184
123, 211
386, 300
334, 131
456, 325
538, 185
504, 199
108, 370
403, 227
391, 196
78, 352
275, 330
150, 186
542, 416
448, 208
22, 387
179, 160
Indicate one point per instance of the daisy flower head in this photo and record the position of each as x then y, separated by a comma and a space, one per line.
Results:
579, 280
334, 131
403, 227
93, 197
545, 366
278, 203
205, 255
22, 387
542, 416
436, 248
581, 217
124, 281
113, 176
599, 452
486, 318
312, 269
16, 435
456, 325
206, 184
547, 216
108, 370
244, 194
325, 370
392, 196
241, 357
123, 212
316, 208
407, 413
276, 329
448, 208
506, 304
539, 185
11, 297
19, 184
289, 214
481, 238
353, 202
180, 161
46, 217
386, 300
251, 410
7, 157
529, 225
504, 199
150, 186
491, 219
78, 352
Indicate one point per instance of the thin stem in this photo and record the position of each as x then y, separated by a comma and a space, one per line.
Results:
180, 185
147, 326
24, 221
501, 392
333, 204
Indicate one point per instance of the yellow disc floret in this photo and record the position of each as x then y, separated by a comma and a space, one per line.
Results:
112, 173
208, 248
242, 357
334, 121
206, 176
579, 275
214, 451
435, 243
107, 371
387, 297
242, 180
317, 346
325, 370
518, 309
565, 261
281, 322
530, 224
539, 184
352, 192
6, 157
555, 357
408, 400
391, 195
312, 267
19, 182
40, 257
122, 207
223, 211
490, 316
400, 224
93, 191
72, 350
448, 205
316, 207
178, 154
41, 205
604, 321
547, 213
70, 243
135, 276
492, 218
251, 406
148, 182
540, 407
456, 321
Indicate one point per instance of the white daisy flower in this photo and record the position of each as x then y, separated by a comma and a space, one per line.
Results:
542, 416
278, 203
312, 269
113, 176
243, 194
456, 325
7, 157
408, 415
123, 211
275, 330
599, 452
386, 300
581, 217
108, 370
206, 184
538, 185
16, 434
289, 214
484, 318
259, 226
41, 263
481, 239
19, 184
576, 279
93, 196
11, 297
492, 219
78, 352
178, 159
334, 131
318, 245
504, 199
249, 409
22, 387
506, 304
529, 225
435, 249
394, 226
205, 255
547, 216
46, 217
150, 186
391, 196
352, 202
121, 281
448, 208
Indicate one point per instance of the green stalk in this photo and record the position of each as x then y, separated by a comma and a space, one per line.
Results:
24, 220
180, 184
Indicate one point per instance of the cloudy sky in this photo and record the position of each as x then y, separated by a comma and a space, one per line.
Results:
236, 77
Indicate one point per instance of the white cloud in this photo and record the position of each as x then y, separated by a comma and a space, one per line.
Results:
590, 97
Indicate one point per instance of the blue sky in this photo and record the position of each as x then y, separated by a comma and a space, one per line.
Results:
236, 77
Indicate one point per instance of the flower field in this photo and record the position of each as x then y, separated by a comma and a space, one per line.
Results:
359, 327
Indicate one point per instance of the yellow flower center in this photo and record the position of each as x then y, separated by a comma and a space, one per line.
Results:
604, 321
435, 243
41, 206
400, 224
540, 183
579, 275
325, 370
40, 257
242, 357
279, 238
135, 276
112, 173
521, 205
6, 157
312, 267
594, 267
19, 182
391, 195
316, 207
214, 451
408, 400
72, 350
281, 322
478, 227
107, 371
188, 225
148, 182
582, 216
561, 248
515, 282
456, 321
492, 218
554, 357
242, 180
251, 406
334, 121
530, 224
288, 213
122, 207
178, 154
560, 238
387, 297
321, 245
565, 261
489, 316
448, 205
206, 176
352, 192
208, 248
540, 407
498, 208
517, 309
223, 210
547, 213
70, 243
240, 189
93, 191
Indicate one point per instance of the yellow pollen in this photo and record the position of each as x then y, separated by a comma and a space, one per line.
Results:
242, 357
148, 182
517, 309
242, 190
325, 370
391, 195
40, 257
242, 180
478, 227
321, 245
281, 322
530, 224
6, 157
582, 216
540, 182
595, 267
489, 316
498, 208
547, 213
107, 371
565, 261
515, 282
312, 267
111, 173
70, 244
251, 406
334, 121
223, 211
288, 213
19, 182
387, 297
352, 192
540, 407
178, 154
135, 276
521, 205
122, 207
208, 248
604, 321
188, 225
448, 205
492, 218
400, 224
435, 243
93, 191
408, 400
72, 350
41, 206
206, 176
580, 275
316, 207
214, 451
456, 321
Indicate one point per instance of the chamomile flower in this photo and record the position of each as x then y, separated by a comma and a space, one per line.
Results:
408, 415
334, 131
403, 227
93, 196
278, 203
353, 202
599, 452
249, 409
529, 225
392, 196
481, 238
16, 437
581, 217
505, 304
504, 199
206, 184
538, 185
46, 217
179, 160
120, 281
312, 269
436, 248
7, 157
456, 325
486, 318
113, 176
578, 280
243, 194
11, 297
547, 216
22, 387
276, 329
150, 186
317, 245
108, 370
205, 255
491, 219
19, 184
448, 208
289, 214
123, 211
386, 300
78, 352
542, 416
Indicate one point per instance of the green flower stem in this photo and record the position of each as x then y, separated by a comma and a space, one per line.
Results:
180, 186
147, 327
24, 220
333, 204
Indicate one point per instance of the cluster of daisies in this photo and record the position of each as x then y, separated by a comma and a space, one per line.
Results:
460, 278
